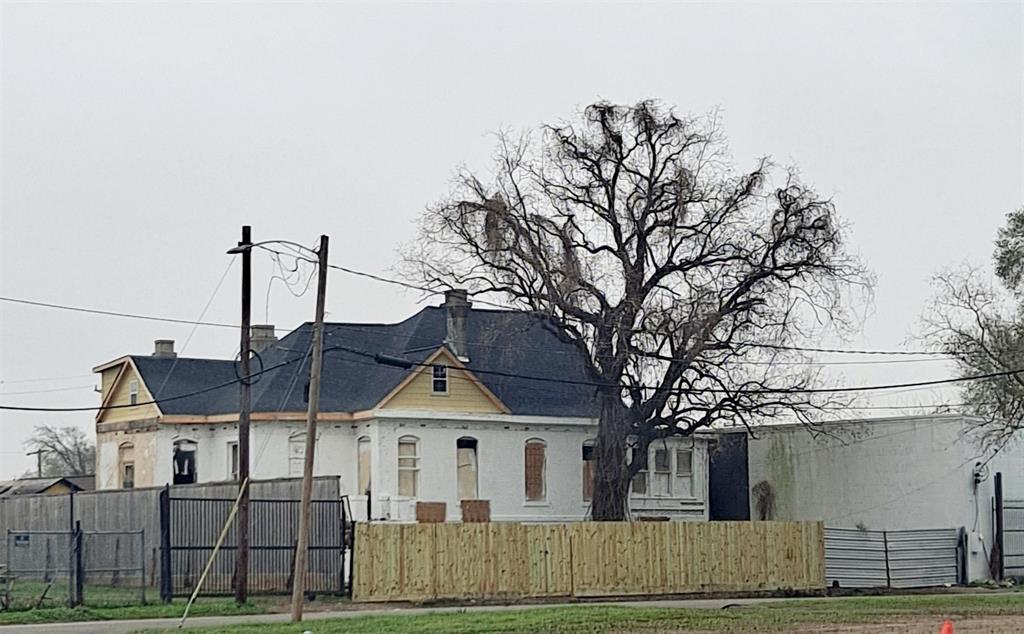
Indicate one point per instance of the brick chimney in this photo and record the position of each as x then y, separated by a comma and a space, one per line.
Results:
456, 307
164, 348
262, 337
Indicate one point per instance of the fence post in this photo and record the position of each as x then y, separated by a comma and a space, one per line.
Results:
885, 545
79, 565
1000, 561
166, 582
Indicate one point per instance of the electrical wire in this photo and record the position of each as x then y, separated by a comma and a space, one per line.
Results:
155, 401
58, 389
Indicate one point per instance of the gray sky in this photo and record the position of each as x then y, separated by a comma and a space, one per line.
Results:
137, 138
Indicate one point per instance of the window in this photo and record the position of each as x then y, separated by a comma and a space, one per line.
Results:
408, 466
465, 456
439, 385
296, 453
534, 471
133, 392
589, 465
684, 472
364, 465
126, 462
639, 483
184, 461
232, 460
661, 477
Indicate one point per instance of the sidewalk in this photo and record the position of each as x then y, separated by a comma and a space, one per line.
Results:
134, 625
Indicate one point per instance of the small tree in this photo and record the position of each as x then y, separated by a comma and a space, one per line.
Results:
979, 322
67, 451
679, 280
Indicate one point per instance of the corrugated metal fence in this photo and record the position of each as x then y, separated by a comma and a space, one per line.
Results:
892, 559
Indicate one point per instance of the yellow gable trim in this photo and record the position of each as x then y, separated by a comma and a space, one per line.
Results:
127, 372
465, 391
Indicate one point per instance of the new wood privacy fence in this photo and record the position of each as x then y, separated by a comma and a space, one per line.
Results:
415, 562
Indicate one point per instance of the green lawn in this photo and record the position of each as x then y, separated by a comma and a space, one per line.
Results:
598, 618
202, 607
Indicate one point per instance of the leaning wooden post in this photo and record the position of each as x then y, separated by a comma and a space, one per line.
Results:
302, 547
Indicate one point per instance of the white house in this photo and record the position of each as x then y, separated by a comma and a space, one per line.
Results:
483, 413
914, 472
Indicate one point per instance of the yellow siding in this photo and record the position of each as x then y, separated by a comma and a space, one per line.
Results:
121, 397
463, 394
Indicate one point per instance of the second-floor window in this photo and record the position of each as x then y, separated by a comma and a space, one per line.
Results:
439, 383
133, 392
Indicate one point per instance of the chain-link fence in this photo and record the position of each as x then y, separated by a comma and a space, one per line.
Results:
74, 567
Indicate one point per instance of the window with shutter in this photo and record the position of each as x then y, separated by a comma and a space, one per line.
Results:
535, 485
589, 467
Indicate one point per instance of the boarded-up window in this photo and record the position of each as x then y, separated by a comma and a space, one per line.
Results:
684, 473
589, 465
408, 466
296, 453
465, 456
126, 460
364, 465
534, 461
662, 473
639, 484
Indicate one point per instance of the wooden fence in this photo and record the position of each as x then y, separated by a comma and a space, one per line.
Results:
416, 562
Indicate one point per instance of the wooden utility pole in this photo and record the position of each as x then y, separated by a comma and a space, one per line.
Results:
302, 547
38, 453
244, 410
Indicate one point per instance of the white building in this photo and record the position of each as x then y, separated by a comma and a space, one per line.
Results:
484, 413
919, 472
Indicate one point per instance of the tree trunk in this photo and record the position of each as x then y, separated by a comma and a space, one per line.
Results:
611, 482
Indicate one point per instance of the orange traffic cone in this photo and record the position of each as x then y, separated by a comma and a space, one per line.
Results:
947, 627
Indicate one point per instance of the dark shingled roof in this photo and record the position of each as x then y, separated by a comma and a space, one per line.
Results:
503, 341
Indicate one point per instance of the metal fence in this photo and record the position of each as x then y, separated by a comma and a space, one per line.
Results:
1013, 538
893, 559
190, 527
75, 567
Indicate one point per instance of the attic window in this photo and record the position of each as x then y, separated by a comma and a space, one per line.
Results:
439, 385
133, 392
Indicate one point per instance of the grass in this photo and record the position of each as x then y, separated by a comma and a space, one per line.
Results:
603, 618
202, 607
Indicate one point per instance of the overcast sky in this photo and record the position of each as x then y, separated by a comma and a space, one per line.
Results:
137, 138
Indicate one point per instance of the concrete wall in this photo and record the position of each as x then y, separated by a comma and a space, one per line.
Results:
884, 474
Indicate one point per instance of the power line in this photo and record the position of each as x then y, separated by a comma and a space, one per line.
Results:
111, 313
59, 389
156, 401
44, 379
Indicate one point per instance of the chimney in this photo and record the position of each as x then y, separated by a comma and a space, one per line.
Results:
164, 348
456, 307
262, 337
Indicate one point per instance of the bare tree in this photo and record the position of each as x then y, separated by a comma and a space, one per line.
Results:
979, 322
67, 451
679, 280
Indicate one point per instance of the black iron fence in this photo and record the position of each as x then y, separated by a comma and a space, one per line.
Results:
190, 528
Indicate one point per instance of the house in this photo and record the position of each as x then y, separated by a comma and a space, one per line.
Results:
43, 486
495, 407
899, 473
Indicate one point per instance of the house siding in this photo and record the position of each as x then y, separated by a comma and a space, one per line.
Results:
464, 395
121, 397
